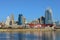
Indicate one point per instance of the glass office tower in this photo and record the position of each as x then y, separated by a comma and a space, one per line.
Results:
48, 16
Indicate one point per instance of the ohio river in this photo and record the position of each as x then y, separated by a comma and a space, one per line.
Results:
30, 35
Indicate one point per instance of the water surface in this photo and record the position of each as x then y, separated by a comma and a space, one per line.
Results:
50, 35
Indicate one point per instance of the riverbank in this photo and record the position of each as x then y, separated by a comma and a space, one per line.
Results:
23, 30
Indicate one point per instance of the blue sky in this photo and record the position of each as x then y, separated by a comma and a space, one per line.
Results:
31, 9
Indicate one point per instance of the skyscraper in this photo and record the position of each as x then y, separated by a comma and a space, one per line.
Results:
41, 20
11, 19
23, 20
20, 21
8, 21
48, 16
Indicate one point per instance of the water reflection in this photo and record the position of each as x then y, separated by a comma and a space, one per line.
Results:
42, 35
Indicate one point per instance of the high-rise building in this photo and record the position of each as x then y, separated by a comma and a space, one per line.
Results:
48, 16
8, 21
11, 19
23, 20
20, 19
41, 20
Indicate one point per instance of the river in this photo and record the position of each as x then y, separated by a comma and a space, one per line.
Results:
41, 35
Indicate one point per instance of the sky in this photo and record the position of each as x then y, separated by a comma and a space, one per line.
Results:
31, 9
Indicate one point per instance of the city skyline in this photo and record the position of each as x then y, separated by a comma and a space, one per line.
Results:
31, 9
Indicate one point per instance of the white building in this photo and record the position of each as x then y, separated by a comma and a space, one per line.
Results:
11, 19
7, 21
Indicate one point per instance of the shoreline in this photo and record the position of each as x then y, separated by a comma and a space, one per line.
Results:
26, 30
23, 30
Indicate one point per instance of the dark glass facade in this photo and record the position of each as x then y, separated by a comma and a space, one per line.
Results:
20, 19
